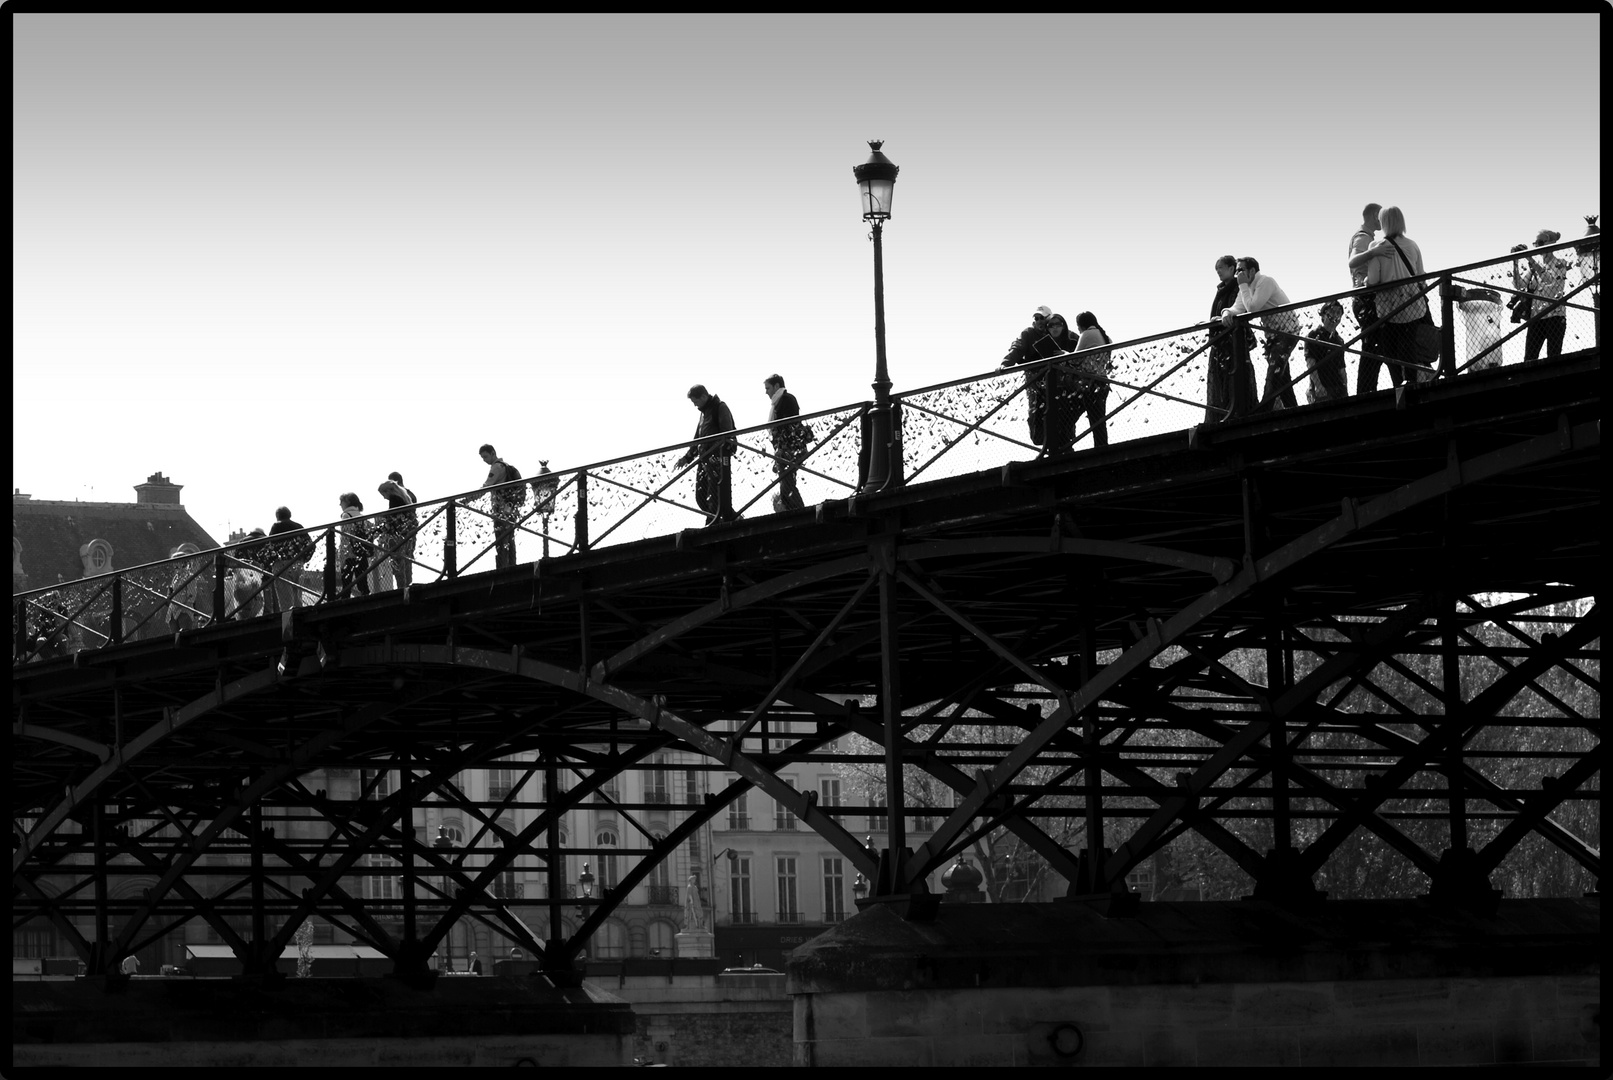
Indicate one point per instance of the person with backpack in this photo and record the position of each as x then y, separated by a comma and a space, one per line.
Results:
506, 503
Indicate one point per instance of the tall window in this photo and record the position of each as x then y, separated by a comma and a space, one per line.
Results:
606, 838
691, 787
738, 817
657, 792
499, 783
782, 818
610, 941
834, 889
382, 883
739, 894
382, 782
876, 816
829, 791
789, 900
660, 938
662, 891
507, 885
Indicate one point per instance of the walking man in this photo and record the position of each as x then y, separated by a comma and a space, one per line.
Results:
789, 441
712, 482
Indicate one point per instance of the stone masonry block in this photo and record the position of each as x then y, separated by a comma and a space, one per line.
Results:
1206, 1005
1357, 1046
834, 1016
1010, 1011
1394, 1000
1284, 1004
1455, 1043
1242, 1047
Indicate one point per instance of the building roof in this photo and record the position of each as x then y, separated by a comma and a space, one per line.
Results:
51, 534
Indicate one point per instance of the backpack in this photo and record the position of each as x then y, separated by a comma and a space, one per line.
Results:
512, 496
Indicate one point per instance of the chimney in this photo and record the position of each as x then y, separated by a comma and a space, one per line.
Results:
158, 489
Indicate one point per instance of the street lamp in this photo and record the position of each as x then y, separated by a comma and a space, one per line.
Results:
585, 889
876, 183
544, 486
859, 889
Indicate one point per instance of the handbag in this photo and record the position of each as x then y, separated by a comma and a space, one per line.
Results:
1423, 333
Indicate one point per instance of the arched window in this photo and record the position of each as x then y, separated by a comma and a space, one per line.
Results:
660, 938
609, 941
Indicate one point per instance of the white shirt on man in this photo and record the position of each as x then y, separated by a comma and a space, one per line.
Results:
1263, 292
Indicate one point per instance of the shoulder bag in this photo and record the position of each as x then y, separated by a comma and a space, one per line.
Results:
1424, 334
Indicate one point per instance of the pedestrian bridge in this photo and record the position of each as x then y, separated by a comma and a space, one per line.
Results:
1359, 632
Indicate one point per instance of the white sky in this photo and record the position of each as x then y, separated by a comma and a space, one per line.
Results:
278, 257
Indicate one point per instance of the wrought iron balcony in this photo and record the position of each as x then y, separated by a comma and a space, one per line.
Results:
663, 894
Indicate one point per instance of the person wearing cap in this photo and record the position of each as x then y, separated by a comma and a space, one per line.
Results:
1065, 388
1324, 356
1543, 283
1025, 350
712, 485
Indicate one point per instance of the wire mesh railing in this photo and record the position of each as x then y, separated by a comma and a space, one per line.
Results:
1519, 307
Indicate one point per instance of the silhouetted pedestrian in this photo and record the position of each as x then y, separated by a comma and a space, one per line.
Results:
790, 441
355, 547
289, 556
1229, 387
505, 504
1092, 371
1024, 351
1544, 282
712, 481
397, 529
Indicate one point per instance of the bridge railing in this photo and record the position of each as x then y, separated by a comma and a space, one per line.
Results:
1149, 385
1158, 383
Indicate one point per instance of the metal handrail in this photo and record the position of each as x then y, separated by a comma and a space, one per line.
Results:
171, 585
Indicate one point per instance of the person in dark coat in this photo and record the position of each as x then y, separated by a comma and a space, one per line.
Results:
1221, 384
1024, 350
1062, 387
712, 487
289, 556
790, 441
397, 530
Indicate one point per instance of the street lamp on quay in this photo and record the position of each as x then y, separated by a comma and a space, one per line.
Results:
876, 182
544, 486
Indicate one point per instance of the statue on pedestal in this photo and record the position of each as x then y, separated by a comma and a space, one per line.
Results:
694, 912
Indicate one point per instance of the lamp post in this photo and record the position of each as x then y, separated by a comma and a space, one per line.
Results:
544, 486
876, 182
585, 890
444, 846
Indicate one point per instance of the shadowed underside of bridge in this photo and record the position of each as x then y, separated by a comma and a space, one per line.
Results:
1049, 640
